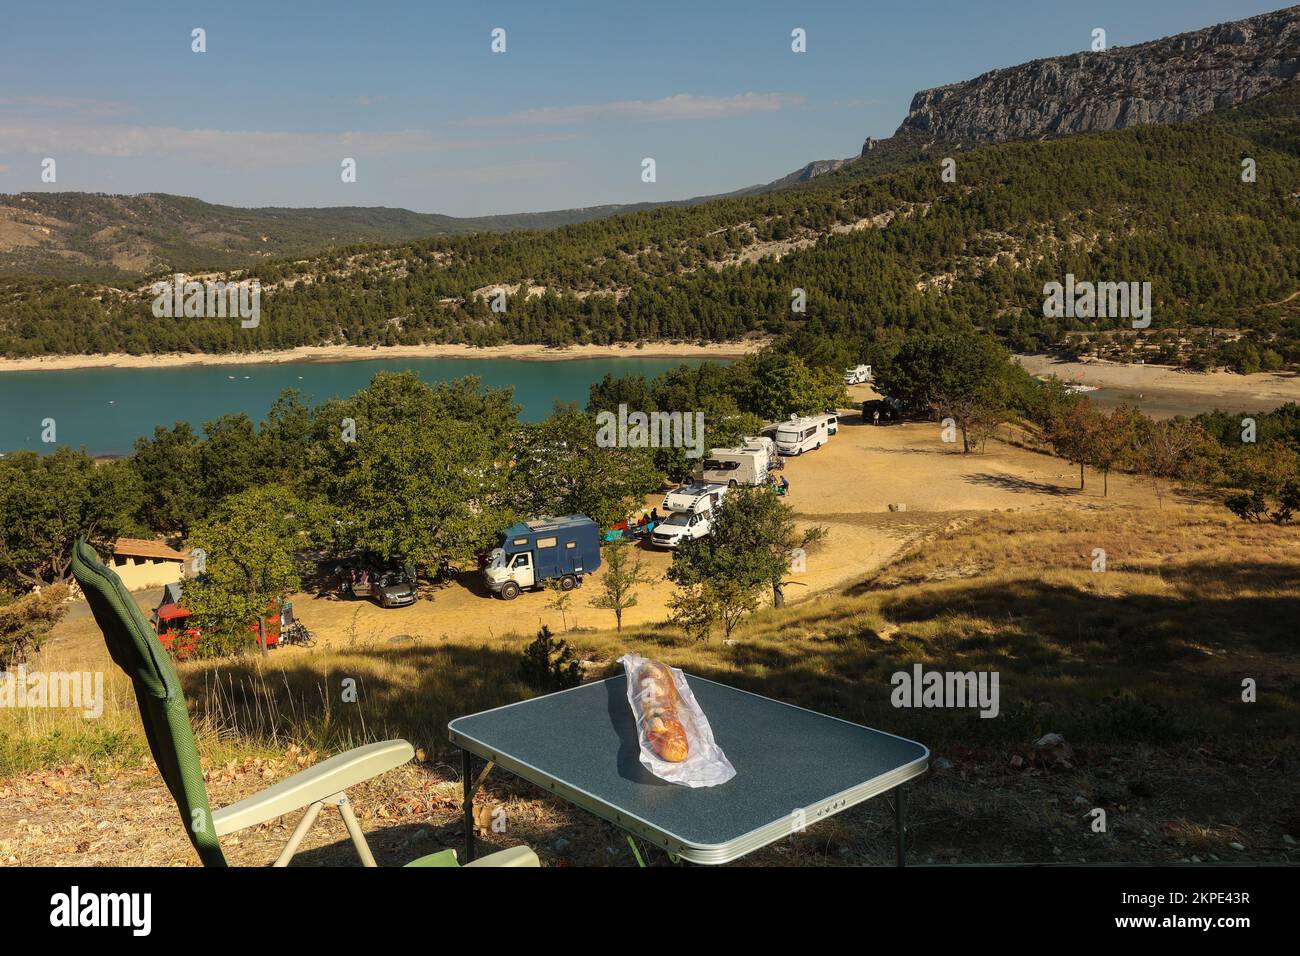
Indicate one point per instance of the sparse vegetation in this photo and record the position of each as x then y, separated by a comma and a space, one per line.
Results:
623, 572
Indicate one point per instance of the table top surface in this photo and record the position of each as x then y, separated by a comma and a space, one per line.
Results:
793, 766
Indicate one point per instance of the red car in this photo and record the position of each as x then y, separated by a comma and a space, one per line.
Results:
170, 622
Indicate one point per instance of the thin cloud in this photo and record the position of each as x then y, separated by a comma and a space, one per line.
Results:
29, 105
245, 149
682, 106
487, 174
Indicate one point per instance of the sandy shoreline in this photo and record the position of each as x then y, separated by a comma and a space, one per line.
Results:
354, 353
1261, 387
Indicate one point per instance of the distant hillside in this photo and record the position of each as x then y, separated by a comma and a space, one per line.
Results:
876, 255
109, 238
880, 244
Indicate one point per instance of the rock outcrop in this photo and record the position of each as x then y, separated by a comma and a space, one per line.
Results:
1171, 80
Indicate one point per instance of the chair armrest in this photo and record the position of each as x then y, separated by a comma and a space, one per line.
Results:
315, 783
515, 856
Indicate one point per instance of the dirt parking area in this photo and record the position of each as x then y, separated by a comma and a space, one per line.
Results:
846, 487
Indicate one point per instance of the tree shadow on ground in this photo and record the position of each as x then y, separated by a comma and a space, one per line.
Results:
1020, 485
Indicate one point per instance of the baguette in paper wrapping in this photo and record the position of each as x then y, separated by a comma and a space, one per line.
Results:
674, 738
656, 694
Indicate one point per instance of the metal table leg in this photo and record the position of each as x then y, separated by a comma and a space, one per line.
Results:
471, 784
900, 829
467, 776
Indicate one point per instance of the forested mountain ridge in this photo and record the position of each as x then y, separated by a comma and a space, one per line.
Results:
875, 255
115, 239
1170, 80
108, 238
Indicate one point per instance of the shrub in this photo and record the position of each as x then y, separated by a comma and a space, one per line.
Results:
549, 664
26, 620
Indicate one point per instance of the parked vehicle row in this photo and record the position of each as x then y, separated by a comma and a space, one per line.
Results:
565, 549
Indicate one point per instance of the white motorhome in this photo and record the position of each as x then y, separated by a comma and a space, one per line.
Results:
746, 465
694, 498
858, 375
691, 516
799, 435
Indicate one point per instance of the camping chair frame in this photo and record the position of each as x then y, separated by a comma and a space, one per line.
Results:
135, 648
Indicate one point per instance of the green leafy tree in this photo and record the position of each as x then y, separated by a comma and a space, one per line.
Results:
753, 541
559, 468
623, 573
47, 502
412, 472
249, 544
171, 475
960, 373
1269, 476
283, 438
698, 608
776, 385
230, 458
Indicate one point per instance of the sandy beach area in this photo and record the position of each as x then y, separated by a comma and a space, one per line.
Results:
1202, 389
348, 353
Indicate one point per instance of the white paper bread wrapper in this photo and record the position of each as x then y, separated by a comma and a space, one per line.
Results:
706, 765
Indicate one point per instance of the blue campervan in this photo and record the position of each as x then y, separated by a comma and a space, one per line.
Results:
547, 549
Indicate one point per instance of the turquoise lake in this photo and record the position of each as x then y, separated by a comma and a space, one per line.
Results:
106, 409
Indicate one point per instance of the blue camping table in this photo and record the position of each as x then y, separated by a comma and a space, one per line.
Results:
793, 767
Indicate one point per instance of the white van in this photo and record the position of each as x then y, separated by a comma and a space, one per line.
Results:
799, 435
681, 526
736, 466
857, 375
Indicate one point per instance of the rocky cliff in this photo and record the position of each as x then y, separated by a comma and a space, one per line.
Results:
1171, 80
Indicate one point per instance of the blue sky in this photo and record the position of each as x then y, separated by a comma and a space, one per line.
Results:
439, 123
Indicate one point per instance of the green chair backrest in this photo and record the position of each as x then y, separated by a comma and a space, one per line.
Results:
136, 649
